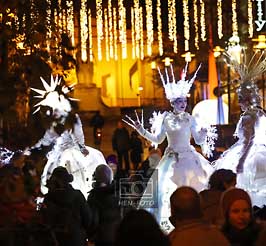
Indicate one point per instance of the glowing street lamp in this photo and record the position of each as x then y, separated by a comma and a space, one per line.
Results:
188, 56
167, 61
261, 42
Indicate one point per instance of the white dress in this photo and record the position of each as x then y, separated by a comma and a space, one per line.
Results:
66, 152
180, 165
250, 152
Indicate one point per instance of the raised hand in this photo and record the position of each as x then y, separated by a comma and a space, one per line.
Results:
136, 124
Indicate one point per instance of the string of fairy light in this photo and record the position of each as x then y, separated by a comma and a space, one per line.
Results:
144, 27
196, 24
219, 19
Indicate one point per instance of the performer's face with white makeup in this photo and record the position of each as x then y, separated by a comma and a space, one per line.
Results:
179, 104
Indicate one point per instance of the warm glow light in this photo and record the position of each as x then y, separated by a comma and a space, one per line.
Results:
115, 34
99, 23
220, 19
49, 33
70, 20
196, 24
90, 35
167, 61
234, 19
217, 51
160, 35
153, 65
107, 54
149, 26
141, 34
110, 24
202, 21
250, 19
133, 41
172, 23
83, 30
122, 28
137, 27
261, 42
186, 24
188, 56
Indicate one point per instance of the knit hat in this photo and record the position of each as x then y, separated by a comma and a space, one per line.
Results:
232, 195
61, 173
103, 174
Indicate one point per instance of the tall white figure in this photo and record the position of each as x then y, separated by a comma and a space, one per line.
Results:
66, 137
247, 157
181, 164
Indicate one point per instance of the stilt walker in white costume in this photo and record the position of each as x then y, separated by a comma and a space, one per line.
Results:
247, 157
66, 136
181, 164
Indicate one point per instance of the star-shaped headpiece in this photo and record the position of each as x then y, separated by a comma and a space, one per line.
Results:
54, 95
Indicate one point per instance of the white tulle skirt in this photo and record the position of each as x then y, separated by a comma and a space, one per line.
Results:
191, 169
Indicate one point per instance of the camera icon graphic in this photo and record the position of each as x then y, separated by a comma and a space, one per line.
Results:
138, 189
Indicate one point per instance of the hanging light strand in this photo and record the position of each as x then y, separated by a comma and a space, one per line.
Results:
115, 34
234, 19
250, 20
220, 19
202, 21
186, 24
141, 33
59, 17
83, 30
99, 23
122, 28
110, 24
107, 54
49, 33
133, 34
160, 35
149, 26
196, 23
170, 20
90, 36
137, 27
172, 23
70, 21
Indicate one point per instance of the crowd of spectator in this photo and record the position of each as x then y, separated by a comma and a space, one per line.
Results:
219, 215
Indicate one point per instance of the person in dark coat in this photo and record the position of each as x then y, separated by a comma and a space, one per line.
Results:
105, 205
120, 144
140, 228
65, 210
136, 149
220, 180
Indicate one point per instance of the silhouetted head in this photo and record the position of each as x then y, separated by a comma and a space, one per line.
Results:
103, 175
139, 227
185, 204
222, 179
60, 178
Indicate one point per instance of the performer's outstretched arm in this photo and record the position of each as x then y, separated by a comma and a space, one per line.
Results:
138, 126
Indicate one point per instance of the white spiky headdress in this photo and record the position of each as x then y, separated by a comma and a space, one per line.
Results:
54, 95
248, 70
176, 89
